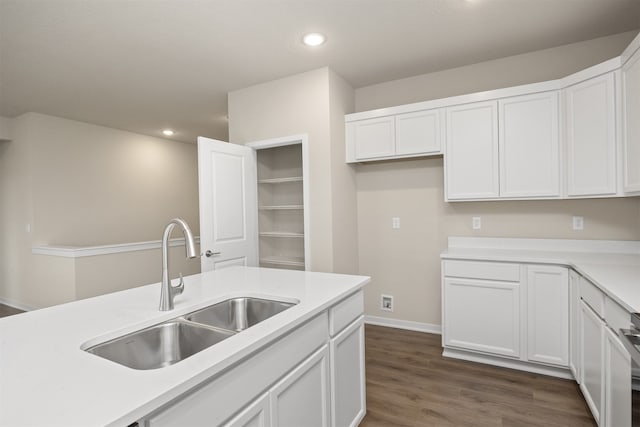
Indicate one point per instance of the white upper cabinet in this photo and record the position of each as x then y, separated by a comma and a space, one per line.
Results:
521, 142
395, 136
529, 146
418, 133
374, 138
590, 120
631, 124
471, 160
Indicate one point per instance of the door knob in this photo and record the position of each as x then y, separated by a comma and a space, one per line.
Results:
209, 254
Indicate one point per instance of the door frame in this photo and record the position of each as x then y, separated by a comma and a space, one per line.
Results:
303, 140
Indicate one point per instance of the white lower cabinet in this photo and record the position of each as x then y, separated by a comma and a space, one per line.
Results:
257, 414
617, 382
302, 397
514, 311
574, 326
348, 399
591, 384
548, 315
482, 315
605, 378
313, 376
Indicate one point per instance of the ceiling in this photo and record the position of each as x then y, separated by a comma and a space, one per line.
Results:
145, 65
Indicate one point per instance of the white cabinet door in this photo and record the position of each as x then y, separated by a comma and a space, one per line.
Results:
574, 325
471, 159
374, 138
348, 400
228, 204
482, 315
617, 389
418, 133
254, 415
590, 118
302, 397
631, 124
548, 315
592, 337
529, 146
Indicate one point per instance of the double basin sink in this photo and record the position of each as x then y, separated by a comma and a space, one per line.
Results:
176, 339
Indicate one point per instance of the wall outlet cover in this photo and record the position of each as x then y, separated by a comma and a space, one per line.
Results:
578, 223
386, 302
476, 223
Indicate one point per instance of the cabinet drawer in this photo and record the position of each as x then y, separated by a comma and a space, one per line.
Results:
592, 296
615, 316
345, 312
502, 271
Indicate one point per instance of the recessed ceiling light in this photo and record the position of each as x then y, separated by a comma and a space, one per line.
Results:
168, 132
313, 39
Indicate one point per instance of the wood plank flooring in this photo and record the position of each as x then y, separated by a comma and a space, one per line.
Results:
6, 310
409, 383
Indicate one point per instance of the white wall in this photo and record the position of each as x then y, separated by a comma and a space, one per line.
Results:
539, 66
5, 129
306, 103
405, 262
79, 184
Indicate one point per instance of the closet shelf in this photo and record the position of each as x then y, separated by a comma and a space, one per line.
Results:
280, 234
281, 207
288, 261
280, 180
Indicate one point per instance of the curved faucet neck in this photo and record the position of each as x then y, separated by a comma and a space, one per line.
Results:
168, 291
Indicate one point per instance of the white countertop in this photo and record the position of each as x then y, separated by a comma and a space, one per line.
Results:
46, 379
613, 266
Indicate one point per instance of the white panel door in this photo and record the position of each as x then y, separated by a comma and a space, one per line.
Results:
592, 338
302, 397
348, 400
482, 315
471, 159
228, 204
418, 133
529, 146
617, 389
257, 414
631, 124
574, 325
591, 137
548, 315
374, 138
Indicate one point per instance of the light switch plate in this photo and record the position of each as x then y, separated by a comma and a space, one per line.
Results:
395, 223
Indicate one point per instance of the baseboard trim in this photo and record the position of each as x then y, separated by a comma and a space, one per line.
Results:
507, 363
17, 305
403, 324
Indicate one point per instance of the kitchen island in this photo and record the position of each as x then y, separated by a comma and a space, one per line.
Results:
46, 377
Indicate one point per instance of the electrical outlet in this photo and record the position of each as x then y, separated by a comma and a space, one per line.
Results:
386, 302
578, 223
395, 223
476, 223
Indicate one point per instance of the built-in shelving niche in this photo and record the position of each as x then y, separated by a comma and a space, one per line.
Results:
281, 207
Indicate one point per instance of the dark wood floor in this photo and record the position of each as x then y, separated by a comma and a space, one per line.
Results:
409, 383
6, 310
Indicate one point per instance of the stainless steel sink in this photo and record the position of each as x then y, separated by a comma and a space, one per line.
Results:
176, 339
160, 345
238, 314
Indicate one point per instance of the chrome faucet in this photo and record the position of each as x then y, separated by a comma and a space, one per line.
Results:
168, 290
